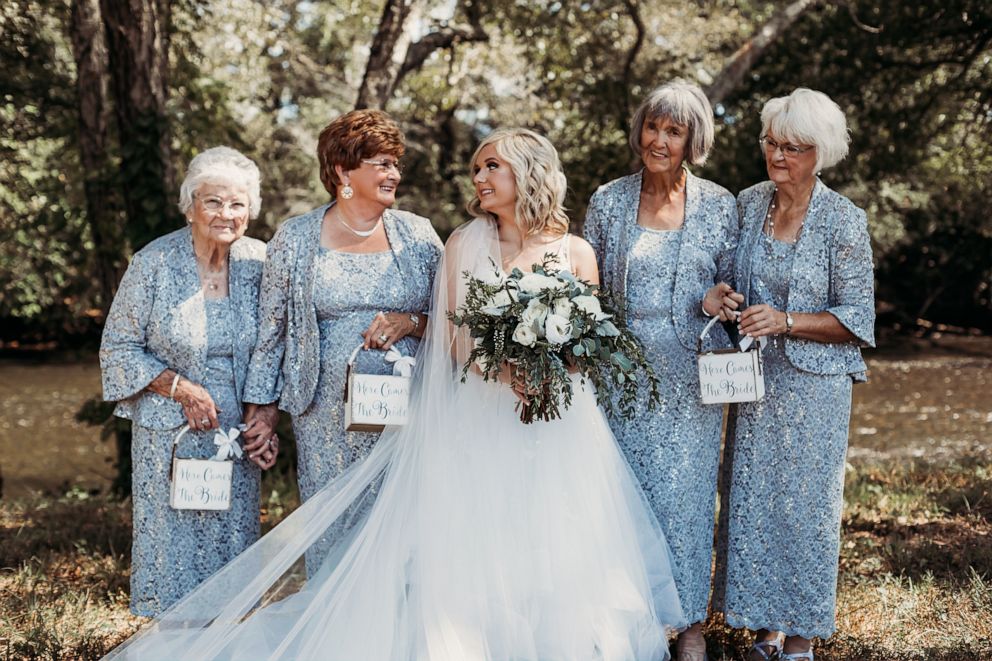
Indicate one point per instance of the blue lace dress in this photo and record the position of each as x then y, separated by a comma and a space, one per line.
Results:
787, 460
674, 450
346, 299
173, 551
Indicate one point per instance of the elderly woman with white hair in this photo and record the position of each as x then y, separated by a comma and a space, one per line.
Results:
804, 270
175, 352
665, 240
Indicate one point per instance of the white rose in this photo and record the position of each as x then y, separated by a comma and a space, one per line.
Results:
535, 283
563, 307
524, 335
535, 313
498, 304
558, 329
588, 304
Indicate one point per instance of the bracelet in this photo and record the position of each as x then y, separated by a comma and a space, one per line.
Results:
705, 313
415, 318
175, 382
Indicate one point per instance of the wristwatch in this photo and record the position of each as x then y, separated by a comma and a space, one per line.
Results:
789, 321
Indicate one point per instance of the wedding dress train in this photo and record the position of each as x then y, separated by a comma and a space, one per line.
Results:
488, 540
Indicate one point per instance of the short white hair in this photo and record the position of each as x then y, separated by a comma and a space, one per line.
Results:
222, 165
684, 103
809, 117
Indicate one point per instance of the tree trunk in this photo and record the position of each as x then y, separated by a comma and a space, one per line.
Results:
383, 73
138, 45
380, 72
738, 65
628, 66
90, 52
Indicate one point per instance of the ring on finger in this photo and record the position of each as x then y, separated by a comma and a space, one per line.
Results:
383, 337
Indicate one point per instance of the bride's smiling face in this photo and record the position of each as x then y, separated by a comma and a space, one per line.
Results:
494, 183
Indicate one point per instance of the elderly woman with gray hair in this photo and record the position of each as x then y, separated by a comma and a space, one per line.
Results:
175, 351
665, 241
804, 272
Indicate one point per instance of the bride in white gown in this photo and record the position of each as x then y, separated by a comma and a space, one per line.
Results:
489, 540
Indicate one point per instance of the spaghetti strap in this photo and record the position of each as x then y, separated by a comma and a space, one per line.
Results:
562, 252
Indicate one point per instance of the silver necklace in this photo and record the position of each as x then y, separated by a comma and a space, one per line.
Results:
362, 233
210, 278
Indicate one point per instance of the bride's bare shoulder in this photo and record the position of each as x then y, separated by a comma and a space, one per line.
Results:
583, 258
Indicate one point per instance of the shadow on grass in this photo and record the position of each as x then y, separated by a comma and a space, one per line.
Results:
96, 525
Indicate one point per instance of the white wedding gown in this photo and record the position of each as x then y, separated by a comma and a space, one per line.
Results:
489, 540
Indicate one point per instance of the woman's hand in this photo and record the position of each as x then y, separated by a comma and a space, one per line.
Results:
261, 441
761, 320
198, 405
721, 300
388, 328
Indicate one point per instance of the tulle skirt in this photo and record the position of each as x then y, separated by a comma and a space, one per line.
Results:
489, 540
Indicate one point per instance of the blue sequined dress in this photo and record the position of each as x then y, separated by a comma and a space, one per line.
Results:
674, 450
349, 289
173, 551
787, 482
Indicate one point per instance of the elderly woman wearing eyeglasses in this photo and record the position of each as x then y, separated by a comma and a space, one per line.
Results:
351, 272
804, 272
175, 351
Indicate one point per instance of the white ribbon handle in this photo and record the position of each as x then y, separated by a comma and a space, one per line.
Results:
402, 365
744, 344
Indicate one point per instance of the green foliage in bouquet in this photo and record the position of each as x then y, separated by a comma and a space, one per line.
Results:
539, 325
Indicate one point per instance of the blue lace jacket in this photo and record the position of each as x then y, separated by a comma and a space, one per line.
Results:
831, 271
158, 320
286, 362
706, 253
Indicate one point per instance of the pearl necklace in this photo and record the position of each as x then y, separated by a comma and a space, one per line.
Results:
362, 233
770, 216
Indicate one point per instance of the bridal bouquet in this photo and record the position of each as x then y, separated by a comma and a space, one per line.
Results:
540, 324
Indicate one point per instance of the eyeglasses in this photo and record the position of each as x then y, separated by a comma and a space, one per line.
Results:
385, 165
789, 150
217, 205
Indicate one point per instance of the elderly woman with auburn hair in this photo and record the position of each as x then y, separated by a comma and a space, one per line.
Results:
351, 272
665, 240
804, 273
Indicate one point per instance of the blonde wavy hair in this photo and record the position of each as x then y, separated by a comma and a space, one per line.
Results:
538, 176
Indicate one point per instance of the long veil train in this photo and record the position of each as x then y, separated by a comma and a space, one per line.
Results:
488, 540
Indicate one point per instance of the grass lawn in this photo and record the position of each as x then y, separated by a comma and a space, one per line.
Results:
915, 583
916, 551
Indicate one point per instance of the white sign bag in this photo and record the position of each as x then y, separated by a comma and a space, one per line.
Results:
729, 375
203, 484
375, 401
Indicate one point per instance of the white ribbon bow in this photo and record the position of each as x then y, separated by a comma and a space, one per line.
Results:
746, 342
227, 447
402, 365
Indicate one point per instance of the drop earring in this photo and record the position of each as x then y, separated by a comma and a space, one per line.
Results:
347, 192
